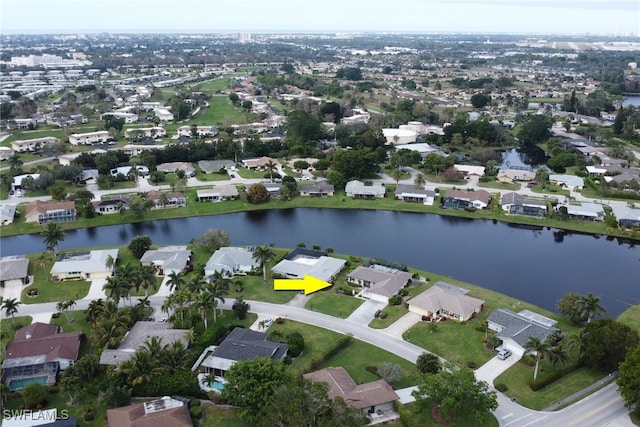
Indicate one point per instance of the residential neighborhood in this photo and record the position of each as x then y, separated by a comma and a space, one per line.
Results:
183, 170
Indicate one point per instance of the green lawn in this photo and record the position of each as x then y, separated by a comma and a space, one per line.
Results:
333, 304
49, 291
220, 110
518, 377
394, 312
499, 185
7, 328
251, 174
216, 416
213, 85
631, 317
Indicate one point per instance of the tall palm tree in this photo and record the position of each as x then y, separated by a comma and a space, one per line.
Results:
108, 332
396, 174
94, 310
263, 254
589, 307
420, 180
558, 356
174, 355
10, 307
176, 280
51, 236
154, 347
204, 301
140, 369
540, 348
271, 166
116, 288
217, 295
146, 278
196, 283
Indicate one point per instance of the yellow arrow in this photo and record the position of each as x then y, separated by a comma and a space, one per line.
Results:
309, 284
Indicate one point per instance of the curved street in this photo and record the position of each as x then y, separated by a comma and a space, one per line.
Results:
603, 408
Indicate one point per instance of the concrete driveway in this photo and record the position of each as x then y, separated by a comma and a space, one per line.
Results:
96, 290
400, 326
494, 367
366, 312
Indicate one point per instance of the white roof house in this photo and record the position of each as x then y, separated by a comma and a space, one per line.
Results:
303, 262
84, 265
399, 136
231, 260
7, 213
379, 282
359, 190
169, 259
470, 169
572, 182
586, 210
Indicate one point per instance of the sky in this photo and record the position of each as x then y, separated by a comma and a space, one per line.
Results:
619, 17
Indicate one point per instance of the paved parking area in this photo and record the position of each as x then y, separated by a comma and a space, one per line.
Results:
494, 367
397, 328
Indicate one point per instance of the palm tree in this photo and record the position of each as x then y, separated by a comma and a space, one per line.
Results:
196, 284
94, 310
176, 280
216, 293
146, 279
589, 307
116, 288
109, 263
540, 348
108, 332
10, 307
558, 356
202, 302
174, 355
51, 236
155, 348
163, 200
66, 307
140, 368
420, 180
263, 254
397, 175
576, 341
271, 166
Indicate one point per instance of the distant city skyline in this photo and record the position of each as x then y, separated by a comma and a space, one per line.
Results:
613, 17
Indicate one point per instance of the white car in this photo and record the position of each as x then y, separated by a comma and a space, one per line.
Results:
503, 354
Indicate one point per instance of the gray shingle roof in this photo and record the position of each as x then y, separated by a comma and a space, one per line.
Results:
246, 344
519, 328
13, 267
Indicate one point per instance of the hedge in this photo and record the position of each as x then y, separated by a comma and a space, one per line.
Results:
548, 378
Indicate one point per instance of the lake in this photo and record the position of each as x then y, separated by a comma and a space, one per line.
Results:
534, 265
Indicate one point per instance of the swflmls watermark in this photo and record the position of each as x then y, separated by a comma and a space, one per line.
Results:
35, 415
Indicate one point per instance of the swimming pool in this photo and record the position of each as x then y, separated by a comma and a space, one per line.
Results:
218, 385
23, 382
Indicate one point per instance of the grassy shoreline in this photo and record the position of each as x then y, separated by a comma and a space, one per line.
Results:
338, 201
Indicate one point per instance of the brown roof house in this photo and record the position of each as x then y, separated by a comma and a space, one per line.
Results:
379, 282
376, 397
456, 199
43, 212
37, 353
163, 412
445, 300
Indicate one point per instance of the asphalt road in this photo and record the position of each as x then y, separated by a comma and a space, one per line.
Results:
603, 408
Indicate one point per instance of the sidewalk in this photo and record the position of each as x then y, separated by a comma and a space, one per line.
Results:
582, 393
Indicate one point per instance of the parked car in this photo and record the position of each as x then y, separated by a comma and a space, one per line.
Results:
503, 353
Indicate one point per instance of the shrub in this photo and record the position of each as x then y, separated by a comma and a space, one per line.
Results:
34, 394
295, 341
395, 300
195, 402
89, 416
377, 315
501, 387
472, 365
196, 412
55, 315
383, 315
528, 360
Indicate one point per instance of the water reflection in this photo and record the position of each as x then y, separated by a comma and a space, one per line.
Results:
525, 156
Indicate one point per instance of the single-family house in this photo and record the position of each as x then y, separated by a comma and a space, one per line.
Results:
627, 217
85, 265
445, 300
213, 166
242, 344
163, 114
14, 271
168, 259
163, 412
273, 188
375, 397
379, 282
585, 211
359, 190
5, 153
468, 170
7, 214
36, 354
260, 163
173, 199
514, 174
111, 206
411, 193
515, 329
517, 204
303, 262
570, 182
457, 199
595, 171
16, 184
146, 132
321, 188
43, 212
136, 337
125, 170
172, 167
218, 193
231, 261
